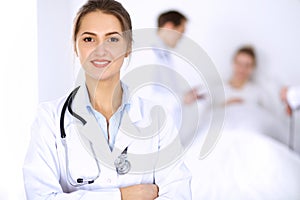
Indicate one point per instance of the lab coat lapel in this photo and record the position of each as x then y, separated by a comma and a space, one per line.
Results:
123, 138
91, 132
128, 130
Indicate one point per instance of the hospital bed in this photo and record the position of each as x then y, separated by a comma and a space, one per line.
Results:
247, 162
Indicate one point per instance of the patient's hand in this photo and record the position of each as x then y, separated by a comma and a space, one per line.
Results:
192, 95
288, 110
233, 101
139, 192
283, 94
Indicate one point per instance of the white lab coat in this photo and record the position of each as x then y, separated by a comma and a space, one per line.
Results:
45, 173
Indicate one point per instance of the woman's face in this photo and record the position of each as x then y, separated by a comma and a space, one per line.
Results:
243, 67
100, 46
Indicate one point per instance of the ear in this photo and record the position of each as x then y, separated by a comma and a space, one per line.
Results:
128, 52
75, 50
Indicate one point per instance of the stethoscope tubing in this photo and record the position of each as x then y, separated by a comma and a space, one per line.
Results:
66, 105
81, 181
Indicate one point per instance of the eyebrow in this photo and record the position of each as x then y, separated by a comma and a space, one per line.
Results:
112, 33
106, 34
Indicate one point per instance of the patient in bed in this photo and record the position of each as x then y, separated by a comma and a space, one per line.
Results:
245, 163
248, 104
240, 88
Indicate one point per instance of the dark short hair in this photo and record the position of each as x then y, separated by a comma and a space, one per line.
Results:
249, 50
111, 7
172, 16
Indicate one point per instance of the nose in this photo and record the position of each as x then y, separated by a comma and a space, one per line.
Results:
101, 49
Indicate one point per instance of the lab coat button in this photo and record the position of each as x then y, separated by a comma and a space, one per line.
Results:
108, 180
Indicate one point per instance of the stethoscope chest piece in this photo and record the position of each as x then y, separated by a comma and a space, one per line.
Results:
122, 165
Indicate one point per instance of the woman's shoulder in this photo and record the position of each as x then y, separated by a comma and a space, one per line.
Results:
52, 108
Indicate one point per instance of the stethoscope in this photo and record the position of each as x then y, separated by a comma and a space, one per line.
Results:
121, 163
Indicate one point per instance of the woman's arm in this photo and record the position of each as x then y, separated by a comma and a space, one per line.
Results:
174, 182
41, 168
173, 177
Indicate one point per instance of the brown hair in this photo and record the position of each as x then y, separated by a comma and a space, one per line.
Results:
249, 50
111, 7
172, 16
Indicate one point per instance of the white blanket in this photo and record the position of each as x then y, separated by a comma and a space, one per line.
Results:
245, 164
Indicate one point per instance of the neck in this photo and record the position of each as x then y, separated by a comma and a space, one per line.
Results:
105, 95
237, 83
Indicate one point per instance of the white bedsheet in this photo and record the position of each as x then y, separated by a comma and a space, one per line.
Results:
251, 117
245, 164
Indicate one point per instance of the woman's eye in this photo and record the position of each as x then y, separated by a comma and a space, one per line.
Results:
113, 39
88, 39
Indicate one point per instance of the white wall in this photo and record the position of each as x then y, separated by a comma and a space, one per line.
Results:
218, 26
55, 58
19, 87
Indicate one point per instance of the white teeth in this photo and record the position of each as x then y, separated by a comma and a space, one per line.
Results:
101, 63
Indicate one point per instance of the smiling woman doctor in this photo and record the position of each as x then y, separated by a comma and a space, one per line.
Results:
66, 160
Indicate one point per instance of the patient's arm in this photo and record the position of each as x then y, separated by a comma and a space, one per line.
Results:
193, 95
283, 94
233, 101
140, 192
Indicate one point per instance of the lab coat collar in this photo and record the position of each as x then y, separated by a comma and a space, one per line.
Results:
132, 115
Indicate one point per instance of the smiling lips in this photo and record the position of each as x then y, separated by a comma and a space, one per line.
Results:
100, 63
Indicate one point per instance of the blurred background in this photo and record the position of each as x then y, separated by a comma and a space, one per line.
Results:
219, 27
38, 64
